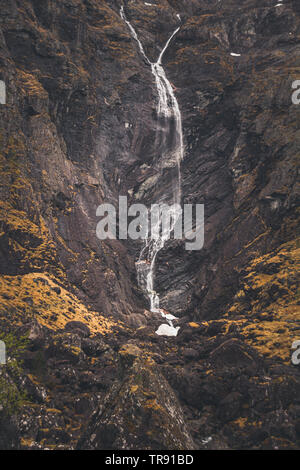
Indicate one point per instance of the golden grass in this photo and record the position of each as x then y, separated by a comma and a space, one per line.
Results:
39, 295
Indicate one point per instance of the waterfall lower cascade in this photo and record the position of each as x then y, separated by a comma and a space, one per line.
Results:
169, 116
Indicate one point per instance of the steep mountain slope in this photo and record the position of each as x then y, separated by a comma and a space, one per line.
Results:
78, 130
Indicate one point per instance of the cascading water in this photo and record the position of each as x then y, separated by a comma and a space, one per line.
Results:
168, 113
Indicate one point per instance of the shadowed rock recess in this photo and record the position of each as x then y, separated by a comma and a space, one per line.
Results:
85, 368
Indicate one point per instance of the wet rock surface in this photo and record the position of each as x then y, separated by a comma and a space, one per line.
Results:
86, 368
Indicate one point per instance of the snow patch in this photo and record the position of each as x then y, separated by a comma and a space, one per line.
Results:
207, 440
167, 330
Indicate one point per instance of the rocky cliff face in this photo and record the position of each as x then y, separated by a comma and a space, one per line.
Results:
78, 130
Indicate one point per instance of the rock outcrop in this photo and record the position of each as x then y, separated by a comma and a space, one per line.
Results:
141, 412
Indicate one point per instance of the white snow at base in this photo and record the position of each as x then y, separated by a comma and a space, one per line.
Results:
167, 330
207, 440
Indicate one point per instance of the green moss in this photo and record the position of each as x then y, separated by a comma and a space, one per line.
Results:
12, 397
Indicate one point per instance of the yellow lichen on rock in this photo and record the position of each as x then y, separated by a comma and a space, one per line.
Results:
40, 296
269, 301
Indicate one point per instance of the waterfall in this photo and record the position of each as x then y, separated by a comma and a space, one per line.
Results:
168, 113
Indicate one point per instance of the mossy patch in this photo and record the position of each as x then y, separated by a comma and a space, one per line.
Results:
39, 295
269, 302
12, 397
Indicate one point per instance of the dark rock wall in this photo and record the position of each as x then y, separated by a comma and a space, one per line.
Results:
80, 119
71, 73
241, 138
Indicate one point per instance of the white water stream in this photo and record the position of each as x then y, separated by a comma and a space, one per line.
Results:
167, 111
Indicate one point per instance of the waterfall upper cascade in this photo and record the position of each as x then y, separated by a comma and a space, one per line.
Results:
168, 113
